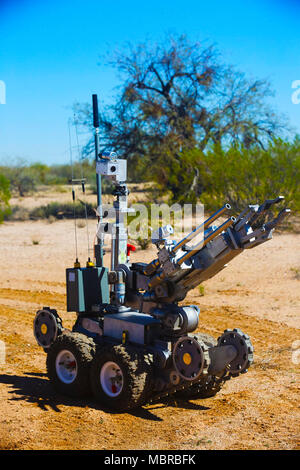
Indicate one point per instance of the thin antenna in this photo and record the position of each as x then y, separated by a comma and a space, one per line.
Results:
83, 188
99, 246
73, 193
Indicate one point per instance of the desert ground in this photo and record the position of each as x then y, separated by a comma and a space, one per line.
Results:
258, 292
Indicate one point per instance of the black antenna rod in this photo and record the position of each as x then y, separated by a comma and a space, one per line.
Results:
96, 126
98, 247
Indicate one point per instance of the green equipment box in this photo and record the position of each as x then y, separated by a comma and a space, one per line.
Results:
86, 287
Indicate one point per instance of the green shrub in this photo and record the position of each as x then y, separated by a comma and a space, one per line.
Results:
143, 243
249, 176
62, 211
4, 197
107, 186
17, 213
201, 290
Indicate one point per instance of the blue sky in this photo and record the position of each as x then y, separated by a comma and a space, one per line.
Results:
49, 56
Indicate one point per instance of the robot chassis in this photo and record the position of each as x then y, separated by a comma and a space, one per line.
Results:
132, 342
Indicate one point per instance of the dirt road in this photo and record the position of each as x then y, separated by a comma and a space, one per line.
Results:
258, 292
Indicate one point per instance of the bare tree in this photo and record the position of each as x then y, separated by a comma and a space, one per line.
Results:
178, 95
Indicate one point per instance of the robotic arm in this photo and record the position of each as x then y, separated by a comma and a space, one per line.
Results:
180, 268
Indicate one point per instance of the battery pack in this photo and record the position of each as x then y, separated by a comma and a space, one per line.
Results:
86, 287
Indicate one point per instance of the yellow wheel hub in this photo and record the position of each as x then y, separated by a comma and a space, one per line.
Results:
187, 358
44, 328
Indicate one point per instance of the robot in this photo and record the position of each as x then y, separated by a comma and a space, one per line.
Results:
134, 341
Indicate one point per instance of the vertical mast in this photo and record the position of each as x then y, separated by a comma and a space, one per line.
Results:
99, 245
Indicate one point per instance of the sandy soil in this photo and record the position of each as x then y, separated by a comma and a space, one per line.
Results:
258, 292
